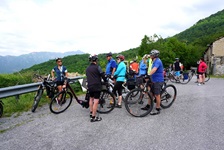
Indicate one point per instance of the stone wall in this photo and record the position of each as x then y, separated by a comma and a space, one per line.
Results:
218, 65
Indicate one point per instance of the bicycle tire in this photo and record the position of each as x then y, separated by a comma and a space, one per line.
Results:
106, 102
1, 109
37, 98
207, 77
182, 80
168, 96
134, 104
65, 102
172, 78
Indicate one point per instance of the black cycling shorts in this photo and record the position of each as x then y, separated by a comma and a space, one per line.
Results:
59, 83
95, 94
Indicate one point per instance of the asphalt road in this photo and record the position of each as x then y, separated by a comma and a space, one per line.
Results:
194, 121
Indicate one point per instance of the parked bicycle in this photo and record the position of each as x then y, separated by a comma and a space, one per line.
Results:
138, 98
67, 94
194, 73
51, 89
1, 108
183, 78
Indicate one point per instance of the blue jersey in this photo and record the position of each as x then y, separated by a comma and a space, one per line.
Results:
142, 68
120, 71
110, 65
60, 73
158, 75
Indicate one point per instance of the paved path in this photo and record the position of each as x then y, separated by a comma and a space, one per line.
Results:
195, 121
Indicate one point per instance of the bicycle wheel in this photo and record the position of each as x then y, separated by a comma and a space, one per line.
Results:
168, 96
56, 106
106, 102
184, 79
172, 78
1, 109
37, 98
207, 77
134, 104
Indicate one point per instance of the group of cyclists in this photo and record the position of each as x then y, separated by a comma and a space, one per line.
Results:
150, 65
116, 69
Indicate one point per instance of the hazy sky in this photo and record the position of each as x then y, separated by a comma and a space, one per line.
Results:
94, 26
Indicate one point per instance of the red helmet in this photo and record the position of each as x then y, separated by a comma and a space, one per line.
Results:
121, 57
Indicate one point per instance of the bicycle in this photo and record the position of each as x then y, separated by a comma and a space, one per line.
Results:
134, 104
193, 72
51, 89
183, 78
67, 94
1, 108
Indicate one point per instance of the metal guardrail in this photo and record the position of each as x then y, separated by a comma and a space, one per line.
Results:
25, 88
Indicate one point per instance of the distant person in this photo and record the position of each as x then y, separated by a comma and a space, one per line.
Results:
94, 74
143, 66
111, 64
176, 67
119, 75
201, 71
134, 66
61, 76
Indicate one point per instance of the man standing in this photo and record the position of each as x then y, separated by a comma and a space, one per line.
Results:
94, 74
111, 64
176, 67
157, 79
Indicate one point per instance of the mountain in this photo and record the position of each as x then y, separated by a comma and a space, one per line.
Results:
205, 31
12, 64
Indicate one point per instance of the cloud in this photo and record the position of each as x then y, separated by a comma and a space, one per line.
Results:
99, 26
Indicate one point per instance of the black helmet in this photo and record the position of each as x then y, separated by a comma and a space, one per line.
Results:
154, 53
93, 58
109, 54
120, 56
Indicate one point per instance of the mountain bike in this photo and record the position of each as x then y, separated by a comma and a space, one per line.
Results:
106, 100
51, 89
183, 78
1, 108
134, 104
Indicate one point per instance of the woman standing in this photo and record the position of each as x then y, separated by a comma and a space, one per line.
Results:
201, 71
119, 75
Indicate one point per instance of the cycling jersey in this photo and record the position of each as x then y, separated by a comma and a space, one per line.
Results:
94, 74
60, 72
158, 75
202, 67
110, 65
120, 71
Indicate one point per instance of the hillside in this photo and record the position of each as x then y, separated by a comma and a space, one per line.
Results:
16, 63
205, 31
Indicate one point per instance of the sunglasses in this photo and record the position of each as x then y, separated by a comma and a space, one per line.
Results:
59, 61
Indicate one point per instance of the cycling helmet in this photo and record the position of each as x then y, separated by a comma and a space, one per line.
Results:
93, 58
154, 53
121, 57
109, 54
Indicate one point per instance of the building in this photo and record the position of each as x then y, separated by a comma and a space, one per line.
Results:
214, 57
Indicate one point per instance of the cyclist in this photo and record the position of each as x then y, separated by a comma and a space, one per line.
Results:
61, 76
157, 79
176, 67
142, 70
134, 66
94, 74
119, 75
111, 64
201, 71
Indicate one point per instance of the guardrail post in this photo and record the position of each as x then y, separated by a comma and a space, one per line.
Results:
17, 97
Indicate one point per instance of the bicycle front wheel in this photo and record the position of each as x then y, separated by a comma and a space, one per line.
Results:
184, 79
1, 109
37, 98
58, 106
106, 102
168, 96
136, 100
